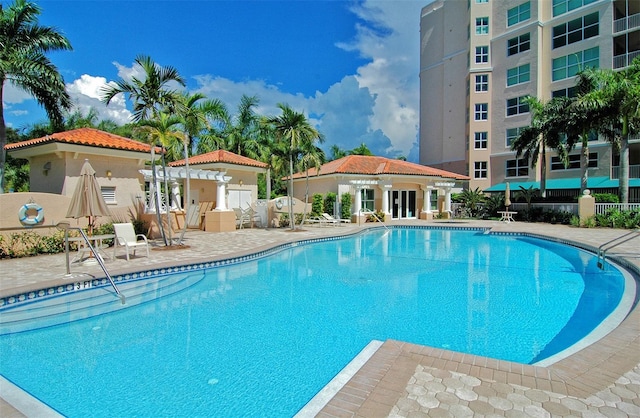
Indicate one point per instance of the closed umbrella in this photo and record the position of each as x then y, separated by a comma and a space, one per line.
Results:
507, 196
87, 200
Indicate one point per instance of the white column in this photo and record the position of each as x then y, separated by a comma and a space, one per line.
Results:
385, 198
221, 195
358, 205
447, 199
175, 196
426, 201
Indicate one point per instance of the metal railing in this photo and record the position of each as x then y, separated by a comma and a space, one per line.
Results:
602, 250
66, 227
634, 172
602, 208
367, 212
624, 60
625, 23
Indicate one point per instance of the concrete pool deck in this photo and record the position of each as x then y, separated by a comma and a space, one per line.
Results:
406, 380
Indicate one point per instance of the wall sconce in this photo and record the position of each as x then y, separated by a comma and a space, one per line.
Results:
241, 183
46, 168
109, 174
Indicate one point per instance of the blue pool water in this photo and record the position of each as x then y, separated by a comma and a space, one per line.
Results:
262, 337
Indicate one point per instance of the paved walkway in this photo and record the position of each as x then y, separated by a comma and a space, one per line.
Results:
406, 380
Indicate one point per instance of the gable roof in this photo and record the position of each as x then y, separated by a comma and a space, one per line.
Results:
373, 165
220, 156
87, 137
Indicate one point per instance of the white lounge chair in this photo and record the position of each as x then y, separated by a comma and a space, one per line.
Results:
242, 218
126, 237
331, 219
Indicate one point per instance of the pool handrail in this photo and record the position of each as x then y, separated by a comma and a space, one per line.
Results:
602, 250
65, 226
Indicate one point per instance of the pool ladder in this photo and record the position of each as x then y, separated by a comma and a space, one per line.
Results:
66, 227
602, 250
372, 213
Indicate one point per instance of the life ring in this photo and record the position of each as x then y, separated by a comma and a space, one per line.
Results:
279, 203
26, 219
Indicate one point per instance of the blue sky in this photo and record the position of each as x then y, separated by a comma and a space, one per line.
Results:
351, 67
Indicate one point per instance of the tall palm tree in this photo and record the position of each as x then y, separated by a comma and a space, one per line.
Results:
617, 95
543, 132
241, 131
23, 45
294, 130
150, 95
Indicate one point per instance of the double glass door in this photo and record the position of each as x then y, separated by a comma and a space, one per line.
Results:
403, 204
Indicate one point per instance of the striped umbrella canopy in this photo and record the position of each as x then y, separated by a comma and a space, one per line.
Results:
87, 200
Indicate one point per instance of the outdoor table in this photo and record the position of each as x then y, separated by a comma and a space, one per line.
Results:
96, 242
506, 216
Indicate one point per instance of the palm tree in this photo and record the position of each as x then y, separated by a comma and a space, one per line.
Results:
23, 45
242, 131
337, 152
294, 130
150, 95
313, 156
617, 95
543, 132
362, 149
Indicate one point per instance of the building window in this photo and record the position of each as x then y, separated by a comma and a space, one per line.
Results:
480, 170
482, 54
519, 44
482, 82
109, 195
574, 162
482, 111
517, 168
570, 65
563, 6
368, 199
518, 75
576, 30
482, 1
513, 134
568, 92
482, 25
519, 14
480, 141
517, 106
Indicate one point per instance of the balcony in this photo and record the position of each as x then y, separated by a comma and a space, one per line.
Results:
626, 23
621, 61
634, 172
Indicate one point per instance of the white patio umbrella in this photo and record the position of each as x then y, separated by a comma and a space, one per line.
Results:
507, 196
87, 200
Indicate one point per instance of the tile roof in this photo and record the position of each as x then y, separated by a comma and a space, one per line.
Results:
85, 136
372, 165
220, 156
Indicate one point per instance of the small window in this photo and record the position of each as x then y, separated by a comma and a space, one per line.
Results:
482, 25
109, 195
482, 54
517, 168
563, 6
576, 30
513, 134
519, 14
519, 44
481, 111
482, 1
570, 65
517, 106
518, 75
368, 202
573, 162
480, 140
480, 170
482, 83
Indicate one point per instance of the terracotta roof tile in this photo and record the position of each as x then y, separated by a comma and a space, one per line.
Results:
220, 156
372, 165
85, 136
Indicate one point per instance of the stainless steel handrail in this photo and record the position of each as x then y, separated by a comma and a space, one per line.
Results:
602, 250
369, 212
66, 227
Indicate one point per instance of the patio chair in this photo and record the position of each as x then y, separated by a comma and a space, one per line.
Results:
331, 219
126, 237
242, 218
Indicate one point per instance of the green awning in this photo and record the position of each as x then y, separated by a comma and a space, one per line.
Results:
564, 184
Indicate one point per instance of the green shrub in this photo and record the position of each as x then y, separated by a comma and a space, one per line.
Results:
329, 202
377, 216
345, 200
317, 206
606, 198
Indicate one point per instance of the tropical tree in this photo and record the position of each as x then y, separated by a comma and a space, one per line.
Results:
242, 131
294, 130
23, 63
337, 152
528, 195
617, 95
362, 149
149, 95
543, 132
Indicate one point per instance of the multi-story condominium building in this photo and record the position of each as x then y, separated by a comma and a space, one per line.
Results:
479, 59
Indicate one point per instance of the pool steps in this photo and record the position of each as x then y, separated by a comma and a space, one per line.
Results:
86, 303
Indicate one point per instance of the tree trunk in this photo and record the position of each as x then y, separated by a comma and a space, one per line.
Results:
584, 164
543, 172
623, 174
291, 219
187, 193
3, 139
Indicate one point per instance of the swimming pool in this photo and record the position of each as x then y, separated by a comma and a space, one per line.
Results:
261, 337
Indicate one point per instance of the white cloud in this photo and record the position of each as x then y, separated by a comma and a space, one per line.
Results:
85, 93
14, 95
